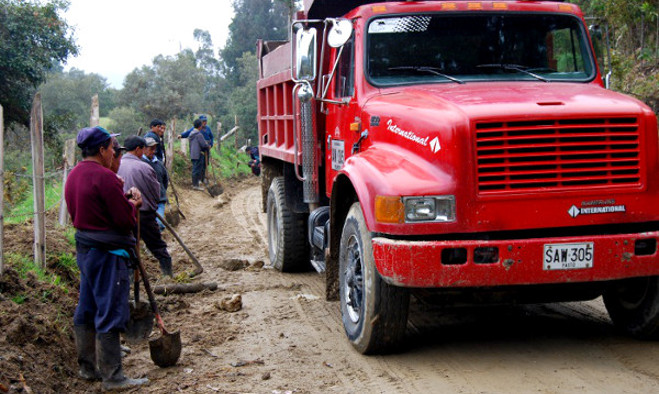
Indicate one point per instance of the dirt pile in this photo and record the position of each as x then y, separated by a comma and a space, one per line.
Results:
36, 341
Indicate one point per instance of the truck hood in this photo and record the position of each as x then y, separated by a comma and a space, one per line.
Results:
447, 140
516, 99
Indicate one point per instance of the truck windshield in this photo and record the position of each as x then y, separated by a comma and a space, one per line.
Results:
428, 48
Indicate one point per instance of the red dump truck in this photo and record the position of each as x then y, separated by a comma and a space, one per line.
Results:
463, 151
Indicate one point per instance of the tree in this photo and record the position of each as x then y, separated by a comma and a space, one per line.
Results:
242, 101
126, 121
67, 97
253, 20
172, 87
33, 41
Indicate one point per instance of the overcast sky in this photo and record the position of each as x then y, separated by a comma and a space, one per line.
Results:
117, 36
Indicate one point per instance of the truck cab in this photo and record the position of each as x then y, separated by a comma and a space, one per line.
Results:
466, 149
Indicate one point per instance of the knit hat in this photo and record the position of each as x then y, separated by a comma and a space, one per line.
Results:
91, 137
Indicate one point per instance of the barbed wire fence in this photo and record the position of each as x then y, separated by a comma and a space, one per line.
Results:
39, 178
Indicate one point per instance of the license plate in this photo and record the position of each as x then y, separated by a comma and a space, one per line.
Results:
568, 256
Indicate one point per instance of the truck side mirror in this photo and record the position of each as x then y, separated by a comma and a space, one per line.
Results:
305, 54
340, 33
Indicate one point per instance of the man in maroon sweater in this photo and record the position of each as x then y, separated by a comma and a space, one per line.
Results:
104, 218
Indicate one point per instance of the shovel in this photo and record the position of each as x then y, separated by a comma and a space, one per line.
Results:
140, 324
174, 213
199, 268
165, 350
215, 189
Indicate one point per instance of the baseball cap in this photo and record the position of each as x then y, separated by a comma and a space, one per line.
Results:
150, 141
203, 117
133, 142
91, 137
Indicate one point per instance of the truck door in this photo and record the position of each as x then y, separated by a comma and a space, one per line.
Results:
341, 117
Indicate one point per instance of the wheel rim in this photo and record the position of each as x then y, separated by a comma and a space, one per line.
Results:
273, 231
354, 281
634, 293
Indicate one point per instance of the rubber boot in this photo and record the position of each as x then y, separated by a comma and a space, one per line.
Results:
86, 347
109, 362
166, 267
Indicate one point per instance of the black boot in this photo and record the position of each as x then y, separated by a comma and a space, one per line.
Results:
86, 346
109, 362
166, 267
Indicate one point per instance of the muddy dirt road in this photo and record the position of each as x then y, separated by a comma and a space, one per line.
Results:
287, 337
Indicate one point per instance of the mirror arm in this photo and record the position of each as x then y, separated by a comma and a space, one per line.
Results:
345, 101
331, 76
319, 87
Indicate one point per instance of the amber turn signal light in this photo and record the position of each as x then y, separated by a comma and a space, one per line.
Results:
389, 209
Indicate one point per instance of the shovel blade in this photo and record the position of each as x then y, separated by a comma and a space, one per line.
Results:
140, 324
173, 217
215, 190
166, 350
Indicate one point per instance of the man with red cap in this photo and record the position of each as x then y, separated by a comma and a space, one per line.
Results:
104, 218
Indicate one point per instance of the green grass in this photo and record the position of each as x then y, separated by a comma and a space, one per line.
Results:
70, 234
25, 264
227, 164
24, 209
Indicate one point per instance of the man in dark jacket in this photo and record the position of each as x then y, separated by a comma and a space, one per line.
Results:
136, 173
198, 146
161, 173
104, 218
157, 132
254, 159
207, 133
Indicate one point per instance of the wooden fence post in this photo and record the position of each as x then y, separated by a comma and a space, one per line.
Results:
185, 143
2, 189
218, 145
95, 117
169, 147
36, 131
69, 163
235, 141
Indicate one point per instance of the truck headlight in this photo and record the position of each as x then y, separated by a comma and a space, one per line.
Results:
429, 209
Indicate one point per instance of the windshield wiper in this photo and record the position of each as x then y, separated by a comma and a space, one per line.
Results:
513, 67
432, 70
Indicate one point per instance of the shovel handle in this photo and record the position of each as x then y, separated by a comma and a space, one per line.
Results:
136, 274
199, 269
152, 299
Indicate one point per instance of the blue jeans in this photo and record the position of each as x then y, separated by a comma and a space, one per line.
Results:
161, 211
198, 166
104, 288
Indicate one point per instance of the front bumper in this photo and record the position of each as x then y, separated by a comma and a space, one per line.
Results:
419, 264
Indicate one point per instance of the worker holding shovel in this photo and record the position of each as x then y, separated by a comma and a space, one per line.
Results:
104, 218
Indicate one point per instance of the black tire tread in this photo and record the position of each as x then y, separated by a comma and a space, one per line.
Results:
641, 323
294, 249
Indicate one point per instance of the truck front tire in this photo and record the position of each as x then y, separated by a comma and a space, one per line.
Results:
633, 305
287, 241
374, 313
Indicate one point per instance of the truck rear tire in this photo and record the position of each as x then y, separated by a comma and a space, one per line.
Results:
633, 305
374, 313
287, 240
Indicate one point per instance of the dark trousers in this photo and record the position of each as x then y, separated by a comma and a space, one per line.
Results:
104, 288
198, 170
150, 234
